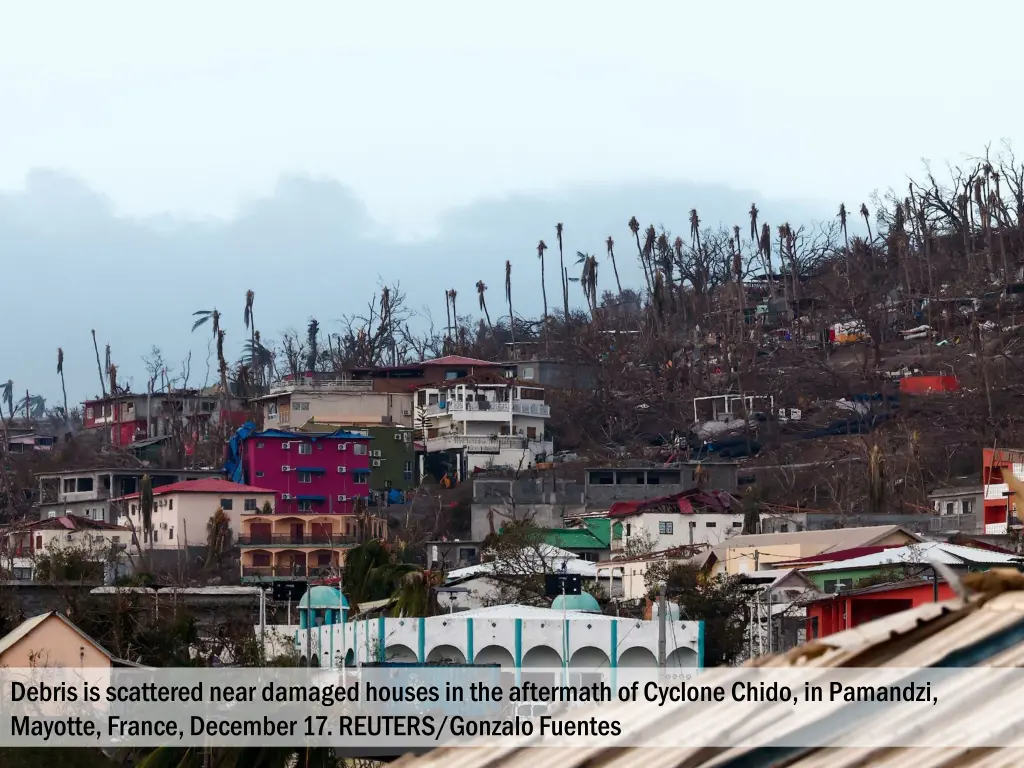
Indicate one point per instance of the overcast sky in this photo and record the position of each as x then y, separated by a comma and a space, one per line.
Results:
432, 137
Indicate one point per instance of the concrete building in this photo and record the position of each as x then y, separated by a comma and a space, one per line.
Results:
322, 474
126, 418
544, 499
755, 552
516, 637
182, 510
298, 547
87, 492
689, 518
1000, 513
466, 426
554, 374
393, 463
959, 509
23, 546
607, 485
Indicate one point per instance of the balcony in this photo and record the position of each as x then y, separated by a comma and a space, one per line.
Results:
955, 523
487, 444
476, 411
295, 540
323, 386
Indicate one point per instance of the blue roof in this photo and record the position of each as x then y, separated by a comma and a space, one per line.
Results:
339, 435
322, 597
581, 602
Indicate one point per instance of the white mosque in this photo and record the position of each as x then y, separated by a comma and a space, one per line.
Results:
512, 636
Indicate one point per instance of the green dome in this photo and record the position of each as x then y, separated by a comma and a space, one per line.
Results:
581, 602
323, 597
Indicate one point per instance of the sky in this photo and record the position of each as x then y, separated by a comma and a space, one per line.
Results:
159, 160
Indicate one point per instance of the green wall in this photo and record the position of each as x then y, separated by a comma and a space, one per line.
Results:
395, 454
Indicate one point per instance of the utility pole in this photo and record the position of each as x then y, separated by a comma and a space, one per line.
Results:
661, 627
263, 626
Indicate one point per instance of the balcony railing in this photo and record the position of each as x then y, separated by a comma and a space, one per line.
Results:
321, 385
294, 540
961, 523
486, 443
524, 407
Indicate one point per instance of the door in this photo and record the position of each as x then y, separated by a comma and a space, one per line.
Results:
259, 533
298, 529
322, 533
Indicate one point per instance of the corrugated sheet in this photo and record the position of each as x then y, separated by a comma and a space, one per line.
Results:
984, 630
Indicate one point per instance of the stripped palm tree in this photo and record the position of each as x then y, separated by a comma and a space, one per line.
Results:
99, 368
634, 227
588, 280
481, 288
541, 247
60, 370
250, 325
207, 316
610, 245
312, 344
846, 236
867, 221
455, 315
753, 225
695, 228
7, 395
508, 296
562, 272
448, 321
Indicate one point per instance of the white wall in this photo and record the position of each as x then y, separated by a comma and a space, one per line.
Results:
710, 529
178, 514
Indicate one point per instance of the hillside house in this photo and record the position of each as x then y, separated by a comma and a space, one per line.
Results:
181, 511
322, 474
466, 425
747, 553
847, 609
1000, 513
24, 545
692, 517
126, 418
87, 492
394, 469
52, 640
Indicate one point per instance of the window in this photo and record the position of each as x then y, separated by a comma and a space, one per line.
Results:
155, 537
834, 585
950, 507
170, 505
968, 506
259, 444
737, 524
170, 533
710, 525
407, 471
305, 506
69, 485
784, 528
133, 509
629, 530
305, 477
361, 478
666, 527
225, 504
406, 437
259, 474
305, 449
359, 449
527, 373
250, 505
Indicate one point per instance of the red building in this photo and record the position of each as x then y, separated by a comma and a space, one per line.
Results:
311, 474
849, 609
1000, 511
129, 417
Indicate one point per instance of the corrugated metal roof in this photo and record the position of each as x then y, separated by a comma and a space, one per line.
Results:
834, 538
958, 633
949, 554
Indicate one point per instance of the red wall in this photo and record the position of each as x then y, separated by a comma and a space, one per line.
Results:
265, 454
993, 463
840, 613
922, 385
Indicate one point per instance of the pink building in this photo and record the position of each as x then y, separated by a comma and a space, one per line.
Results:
318, 474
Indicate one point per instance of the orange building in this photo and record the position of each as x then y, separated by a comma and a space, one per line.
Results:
298, 546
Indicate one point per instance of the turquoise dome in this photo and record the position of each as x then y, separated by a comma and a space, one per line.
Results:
322, 597
581, 602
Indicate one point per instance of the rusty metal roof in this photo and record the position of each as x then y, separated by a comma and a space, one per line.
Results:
985, 629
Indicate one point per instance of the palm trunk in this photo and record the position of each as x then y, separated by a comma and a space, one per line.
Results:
99, 367
543, 290
64, 391
565, 281
615, 269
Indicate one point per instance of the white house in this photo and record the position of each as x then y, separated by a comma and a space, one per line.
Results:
486, 424
473, 587
693, 517
22, 545
183, 509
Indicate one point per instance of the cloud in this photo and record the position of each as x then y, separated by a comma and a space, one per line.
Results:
310, 248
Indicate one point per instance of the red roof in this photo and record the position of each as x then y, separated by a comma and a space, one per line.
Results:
66, 523
206, 485
831, 557
686, 501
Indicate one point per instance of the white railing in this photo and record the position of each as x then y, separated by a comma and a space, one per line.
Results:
523, 407
530, 409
